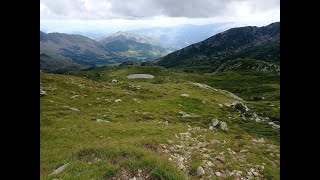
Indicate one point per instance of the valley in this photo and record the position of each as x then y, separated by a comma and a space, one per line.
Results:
123, 107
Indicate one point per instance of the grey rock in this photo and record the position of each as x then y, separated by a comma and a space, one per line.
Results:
256, 174
59, 169
217, 173
214, 122
200, 171
240, 106
181, 167
261, 140
102, 121
184, 95
43, 93
223, 126
72, 108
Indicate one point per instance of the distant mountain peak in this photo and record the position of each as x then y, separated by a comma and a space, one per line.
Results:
128, 36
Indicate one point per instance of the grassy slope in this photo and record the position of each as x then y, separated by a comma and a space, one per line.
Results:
132, 140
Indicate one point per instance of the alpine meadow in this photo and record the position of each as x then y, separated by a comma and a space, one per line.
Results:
159, 90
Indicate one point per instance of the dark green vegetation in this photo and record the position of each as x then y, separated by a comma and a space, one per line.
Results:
260, 43
134, 137
60, 52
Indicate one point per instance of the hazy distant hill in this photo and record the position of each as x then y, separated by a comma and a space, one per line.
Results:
136, 47
180, 36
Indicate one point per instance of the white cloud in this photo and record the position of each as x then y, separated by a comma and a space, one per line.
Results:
108, 15
136, 9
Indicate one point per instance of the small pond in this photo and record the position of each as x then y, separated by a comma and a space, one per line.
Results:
136, 76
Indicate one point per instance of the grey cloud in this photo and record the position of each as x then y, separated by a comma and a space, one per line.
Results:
136, 9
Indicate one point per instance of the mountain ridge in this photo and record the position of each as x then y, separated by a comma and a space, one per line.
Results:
260, 43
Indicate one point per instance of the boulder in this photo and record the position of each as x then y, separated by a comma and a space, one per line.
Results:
214, 122
200, 171
241, 107
223, 126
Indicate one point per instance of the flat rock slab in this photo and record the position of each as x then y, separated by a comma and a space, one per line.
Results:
59, 169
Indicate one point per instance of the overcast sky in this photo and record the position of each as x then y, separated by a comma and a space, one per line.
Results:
99, 15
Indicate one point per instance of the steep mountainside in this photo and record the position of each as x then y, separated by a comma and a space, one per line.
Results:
78, 49
262, 43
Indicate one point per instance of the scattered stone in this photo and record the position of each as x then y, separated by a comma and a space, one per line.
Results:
206, 156
200, 171
71, 108
134, 178
220, 159
184, 95
43, 93
186, 134
139, 170
220, 105
261, 140
223, 126
184, 114
59, 169
181, 167
208, 163
75, 96
215, 141
214, 122
103, 121
243, 151
114, 81
117, 100
271, 123
217, 173
274, 125
240, 106
135, 87
256, 174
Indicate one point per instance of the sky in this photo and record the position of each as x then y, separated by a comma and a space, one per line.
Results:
98, 16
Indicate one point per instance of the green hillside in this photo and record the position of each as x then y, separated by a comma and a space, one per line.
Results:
101, 125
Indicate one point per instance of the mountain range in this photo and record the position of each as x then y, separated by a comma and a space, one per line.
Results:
61, 52
260, 43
